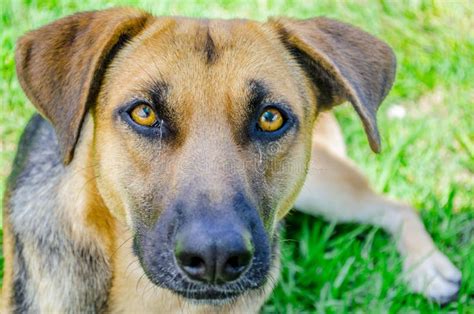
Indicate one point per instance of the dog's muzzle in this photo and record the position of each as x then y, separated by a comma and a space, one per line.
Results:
210, 256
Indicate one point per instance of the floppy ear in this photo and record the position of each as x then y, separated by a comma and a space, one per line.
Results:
344, 63
60, 66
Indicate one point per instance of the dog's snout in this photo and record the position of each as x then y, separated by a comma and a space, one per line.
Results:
213, 256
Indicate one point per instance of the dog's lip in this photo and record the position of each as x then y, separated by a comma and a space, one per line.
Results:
209, 295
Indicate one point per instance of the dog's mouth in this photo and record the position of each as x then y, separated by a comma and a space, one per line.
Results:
212, 296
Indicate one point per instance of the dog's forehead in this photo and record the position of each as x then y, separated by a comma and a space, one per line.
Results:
209, 34
190, 50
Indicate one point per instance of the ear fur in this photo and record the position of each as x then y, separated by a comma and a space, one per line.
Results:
60, 66
344, 63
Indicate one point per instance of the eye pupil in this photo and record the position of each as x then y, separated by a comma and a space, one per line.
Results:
269, 116
144, 112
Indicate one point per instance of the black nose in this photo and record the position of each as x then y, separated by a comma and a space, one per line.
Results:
213, 255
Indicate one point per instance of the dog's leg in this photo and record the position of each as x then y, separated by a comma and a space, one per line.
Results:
336, 190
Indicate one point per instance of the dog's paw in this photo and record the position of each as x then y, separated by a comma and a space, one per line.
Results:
434, 276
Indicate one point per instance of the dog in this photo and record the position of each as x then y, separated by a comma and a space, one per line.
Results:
167, 150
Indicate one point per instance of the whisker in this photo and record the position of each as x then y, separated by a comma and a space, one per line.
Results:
121, 245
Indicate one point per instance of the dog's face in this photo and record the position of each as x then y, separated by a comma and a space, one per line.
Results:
201, 136
202, 129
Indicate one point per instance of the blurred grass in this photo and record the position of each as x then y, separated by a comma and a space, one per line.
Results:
427, 160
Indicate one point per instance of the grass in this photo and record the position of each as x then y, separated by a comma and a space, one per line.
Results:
427, 160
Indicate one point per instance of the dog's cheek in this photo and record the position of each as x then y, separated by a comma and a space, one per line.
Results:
288, 177
111, 191
113, 173
131, 179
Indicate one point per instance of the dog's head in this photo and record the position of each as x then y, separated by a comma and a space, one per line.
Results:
202, 128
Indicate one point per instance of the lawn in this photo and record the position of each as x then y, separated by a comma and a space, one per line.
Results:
427, 157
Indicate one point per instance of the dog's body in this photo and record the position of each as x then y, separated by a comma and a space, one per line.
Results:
69, 222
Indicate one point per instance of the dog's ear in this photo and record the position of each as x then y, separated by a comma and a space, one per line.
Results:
60, 66
344, 63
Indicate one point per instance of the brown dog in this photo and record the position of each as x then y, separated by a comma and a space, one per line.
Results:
170, 148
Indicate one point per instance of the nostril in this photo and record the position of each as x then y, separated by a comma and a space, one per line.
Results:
196, 262
235, 265
236, 262
194, 266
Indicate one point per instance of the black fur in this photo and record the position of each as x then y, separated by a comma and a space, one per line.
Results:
21, 304
326, 85
210, 49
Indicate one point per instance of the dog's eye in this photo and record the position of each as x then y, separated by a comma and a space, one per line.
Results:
271, 120
144, 115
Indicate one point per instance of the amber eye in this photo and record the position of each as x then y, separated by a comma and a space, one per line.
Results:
144, 115
270, 120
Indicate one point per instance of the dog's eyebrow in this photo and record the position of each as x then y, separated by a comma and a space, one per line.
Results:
258, 92
158, 93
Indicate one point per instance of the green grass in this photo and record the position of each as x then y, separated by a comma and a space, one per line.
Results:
427, 160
